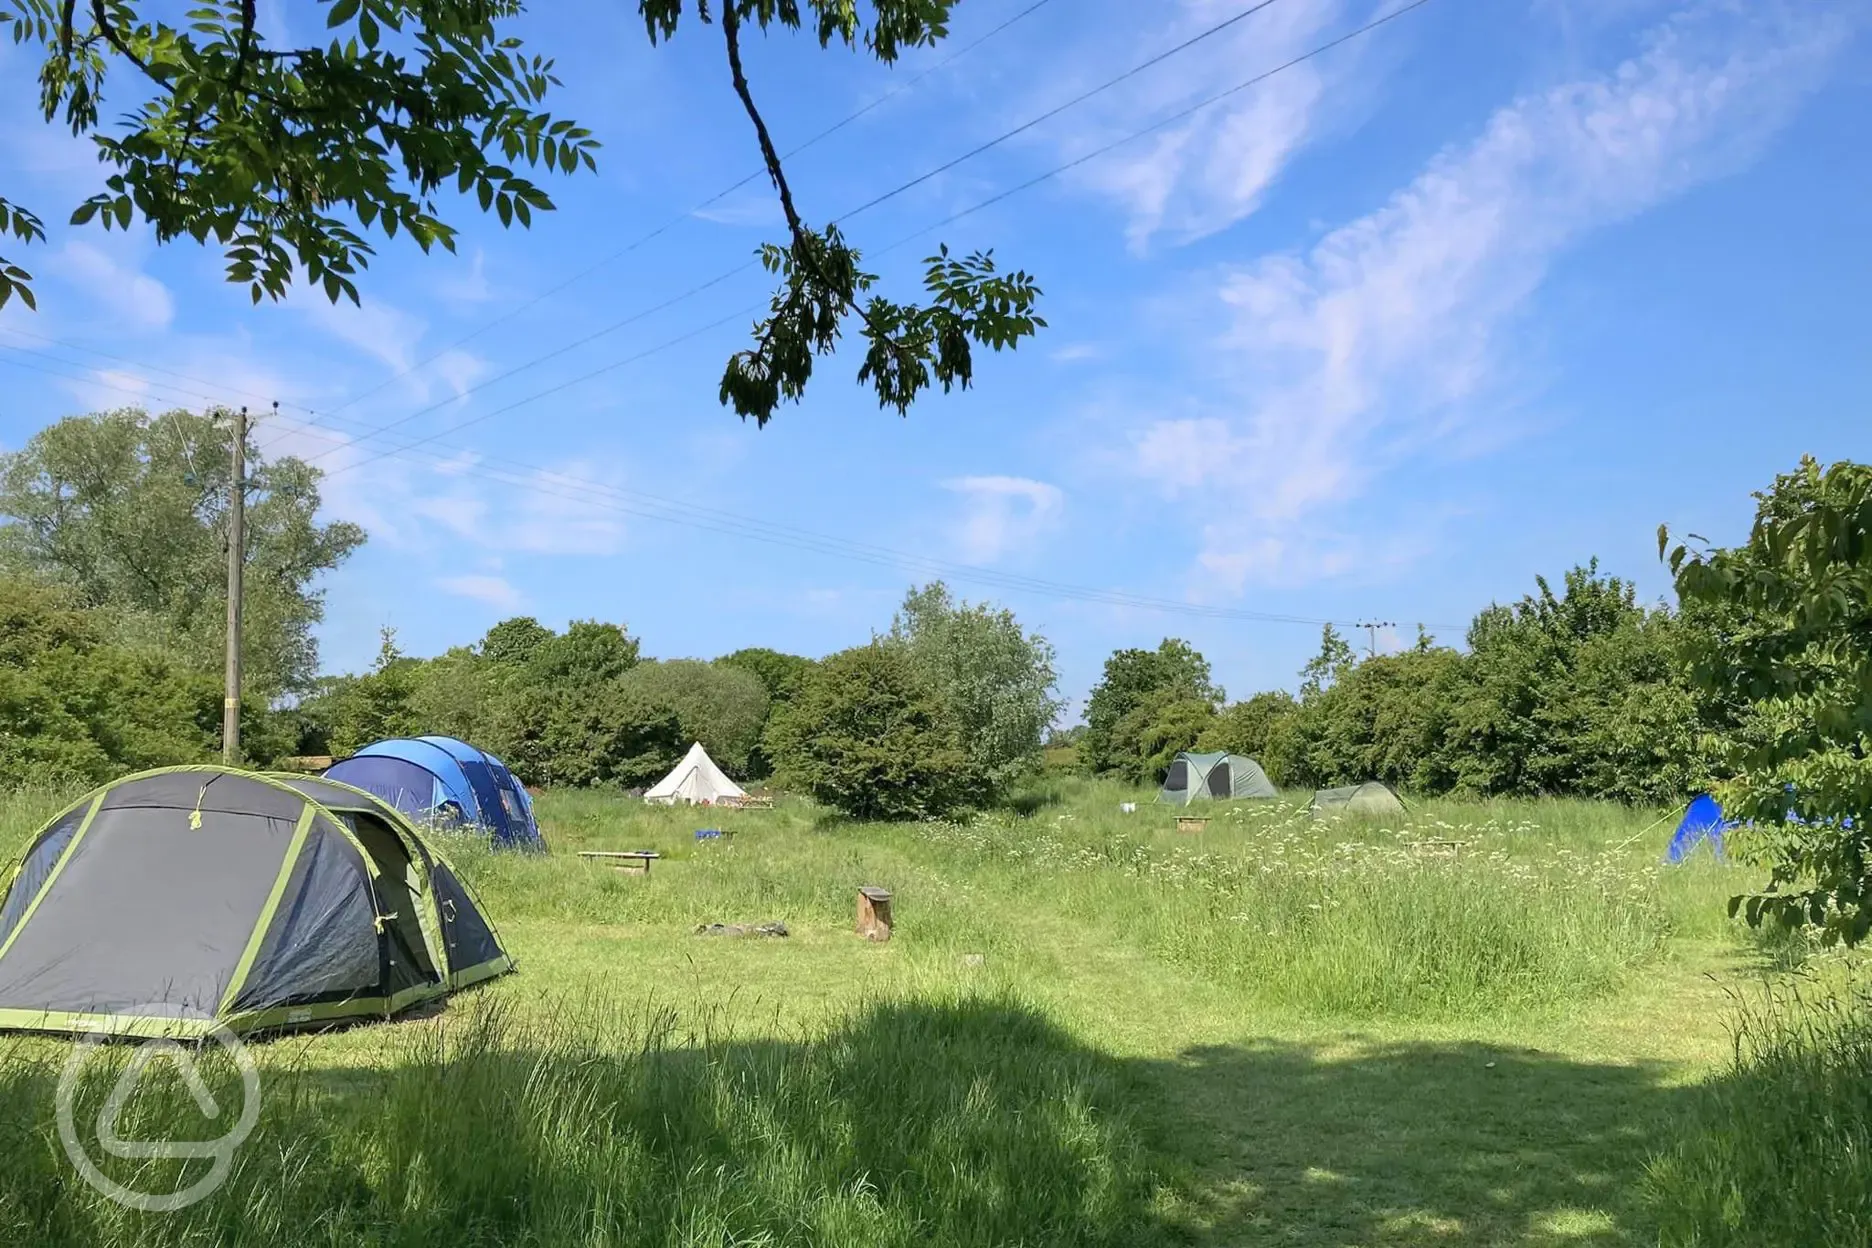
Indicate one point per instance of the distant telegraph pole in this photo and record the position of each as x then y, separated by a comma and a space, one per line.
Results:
237, 558
1371, 635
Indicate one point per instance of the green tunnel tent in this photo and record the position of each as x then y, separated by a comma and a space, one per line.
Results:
1368, 799
1213, 777
173, 901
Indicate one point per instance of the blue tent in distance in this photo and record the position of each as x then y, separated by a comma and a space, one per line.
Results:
1702, 821
440, 778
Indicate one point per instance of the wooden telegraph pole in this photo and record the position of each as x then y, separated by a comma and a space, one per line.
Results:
237, 557
1371, 635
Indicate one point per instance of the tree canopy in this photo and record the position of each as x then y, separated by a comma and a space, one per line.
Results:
995, 678
1791, 640
1136, 687
289, 158
866, 736
130, 513
723, 707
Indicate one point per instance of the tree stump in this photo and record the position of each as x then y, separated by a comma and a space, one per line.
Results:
874, 913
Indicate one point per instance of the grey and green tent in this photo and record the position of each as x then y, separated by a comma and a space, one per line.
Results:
1370, 798
1207, 777
174, 901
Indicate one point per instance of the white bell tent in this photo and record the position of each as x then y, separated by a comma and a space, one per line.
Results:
696, 780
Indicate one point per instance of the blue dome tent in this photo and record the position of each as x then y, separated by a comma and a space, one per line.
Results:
1702, 821
499, 783
431, 777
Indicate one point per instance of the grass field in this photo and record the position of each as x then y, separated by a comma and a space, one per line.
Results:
1089, 1029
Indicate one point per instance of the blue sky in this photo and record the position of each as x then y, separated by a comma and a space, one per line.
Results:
1493, 289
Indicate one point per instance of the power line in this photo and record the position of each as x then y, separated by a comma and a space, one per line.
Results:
716, 198
719, 278
1159, 124
91, 379
532, 398
153, 368
1051, 113
725, 275
563, 349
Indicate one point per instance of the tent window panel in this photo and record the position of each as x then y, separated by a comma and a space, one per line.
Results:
405, 785
37, 866
1219, 783
470, 941
151, 914
515, 815
324, 937
487, 795
1177, 778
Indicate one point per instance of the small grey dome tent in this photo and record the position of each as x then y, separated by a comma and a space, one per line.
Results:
174, 901
1207, 777
1370, 798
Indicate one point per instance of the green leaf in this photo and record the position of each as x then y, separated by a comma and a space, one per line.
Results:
342, 11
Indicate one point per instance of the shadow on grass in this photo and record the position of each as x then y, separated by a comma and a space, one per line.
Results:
969, 1122
1380, 1144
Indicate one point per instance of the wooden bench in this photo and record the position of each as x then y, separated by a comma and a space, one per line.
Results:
634, 861
762, 802
1192, 823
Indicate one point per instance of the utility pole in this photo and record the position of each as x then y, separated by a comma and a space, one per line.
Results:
237, 558
1371, 635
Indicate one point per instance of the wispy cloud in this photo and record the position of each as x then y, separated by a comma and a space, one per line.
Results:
496, 591
382, 332
757, 208
1002, 515
124, 293
558, 512
1213, 169
1074, 353
1386, 336
468, 289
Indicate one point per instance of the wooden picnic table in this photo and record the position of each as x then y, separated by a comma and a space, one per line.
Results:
636, 861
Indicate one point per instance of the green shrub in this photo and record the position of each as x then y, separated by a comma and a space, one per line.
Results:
867, 737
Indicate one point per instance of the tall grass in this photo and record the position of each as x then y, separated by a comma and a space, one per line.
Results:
1778, 1149
969, 1121
925, 1113
1348, 916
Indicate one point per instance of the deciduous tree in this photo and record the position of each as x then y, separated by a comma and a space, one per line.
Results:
995, 678
867, 737
1796, 646
130, 512
1131, 678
